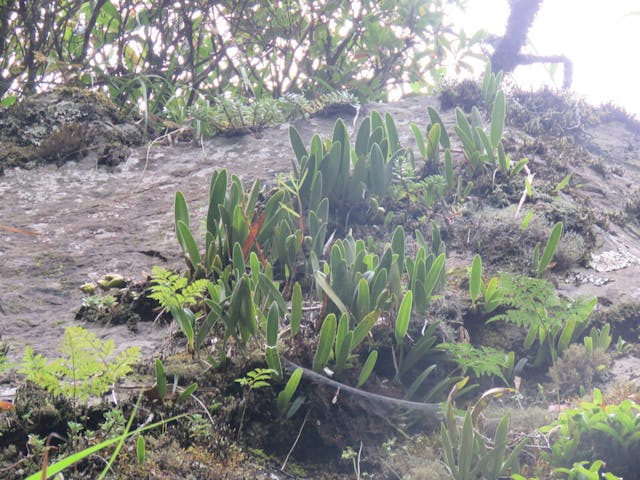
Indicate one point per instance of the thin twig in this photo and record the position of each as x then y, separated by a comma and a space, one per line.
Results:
295, 442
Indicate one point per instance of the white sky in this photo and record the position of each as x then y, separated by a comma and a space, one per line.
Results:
602, 42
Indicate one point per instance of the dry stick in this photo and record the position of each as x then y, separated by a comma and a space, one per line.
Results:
17, 230
157, 140
295, 442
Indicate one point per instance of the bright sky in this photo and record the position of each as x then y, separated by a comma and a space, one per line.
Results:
601, 39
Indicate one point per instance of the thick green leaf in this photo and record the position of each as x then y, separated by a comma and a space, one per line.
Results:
434, 117
237, 260
341, 332
285, 396
241, 310
434, 274
475, 280
205, 328
272, 359
363, 299
398, 244
269, 288
217, 193
448, 169
296, 309
239, 227
433, 144
317, 193
326, 288
186, 321
343, 349
403, 318
189, 244
392, 134
186, 393
498, 114
363, 328
297, 144
181, 214
377, 172
362, 138
367, 368
465, 452
273, 318
422, 148
141, 453
161, 379
325, 342
550, 249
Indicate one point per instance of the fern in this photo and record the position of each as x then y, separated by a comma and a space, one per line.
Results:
172, 290
551, 321
86, 368
483, 361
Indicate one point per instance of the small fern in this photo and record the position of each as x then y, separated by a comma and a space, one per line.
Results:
87, 366
172, 290
551, 321
482, 361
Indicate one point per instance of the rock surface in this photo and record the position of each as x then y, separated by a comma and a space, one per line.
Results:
61, 227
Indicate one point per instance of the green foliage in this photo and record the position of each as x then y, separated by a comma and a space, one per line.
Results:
286, 407
325, 342
541, 263
482, 361
348, 178
359, 282
475, 280
296, 309
271, 349
172, 290
161, 386
598, 339
232, 218
403, 318
367, 368
587, 471
175, 293
468, 454
338, 340
256, 378
492, 294
551, 322
426, 273
236, 114
597, 431
87, 366
172, 57
71, 460
141, 450
491, 84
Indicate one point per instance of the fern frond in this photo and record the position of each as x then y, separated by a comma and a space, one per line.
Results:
172, 290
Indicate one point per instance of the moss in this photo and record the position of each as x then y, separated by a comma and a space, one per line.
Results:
577, 368
415, 458
64, 124
465, 94
623, 318
549, 113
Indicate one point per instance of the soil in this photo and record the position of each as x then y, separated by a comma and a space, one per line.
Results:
62, 226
